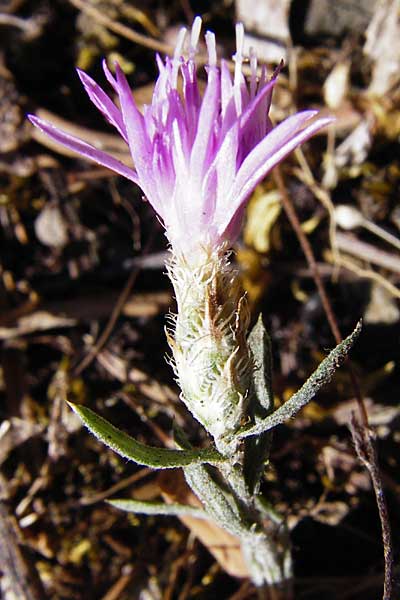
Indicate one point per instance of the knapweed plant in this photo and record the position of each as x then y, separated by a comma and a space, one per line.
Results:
197, 159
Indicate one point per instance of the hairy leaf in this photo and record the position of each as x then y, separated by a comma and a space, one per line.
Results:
149, 456
322, 375
158, 508
261, 404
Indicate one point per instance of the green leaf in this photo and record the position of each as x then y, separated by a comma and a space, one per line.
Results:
320, 377
218, 503
260, 346
158, 508
149, 456
261, 404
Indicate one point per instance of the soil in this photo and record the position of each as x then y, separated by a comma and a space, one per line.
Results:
84, 295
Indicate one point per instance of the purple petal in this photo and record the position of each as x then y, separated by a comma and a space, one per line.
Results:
232, 232
163, 81
111, 80
269, 146
84, 149
226, 86
244, 93
225, 162
192, 97
228, 104
282, 140
179, 156
160, 63
205, 216
139, 143
253, 121
103, 103
263, 97
201, 155
176, 112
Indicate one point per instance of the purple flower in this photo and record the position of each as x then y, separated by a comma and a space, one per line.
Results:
197, 159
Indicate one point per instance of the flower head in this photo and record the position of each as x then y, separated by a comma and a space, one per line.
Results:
197, 159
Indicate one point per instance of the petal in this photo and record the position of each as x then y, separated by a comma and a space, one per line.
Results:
201, 155
225, 166
163, 81
228, 105
226, 86
179, 155
282, 140
217, 183
271, 144
192, 98
110, 78
105, 105
206, 216
242, 93
138, 139
253, 121
84, 149
263, 97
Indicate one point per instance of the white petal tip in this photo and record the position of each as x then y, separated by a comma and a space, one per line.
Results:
211, 48
179, 43
195, 34
239, 38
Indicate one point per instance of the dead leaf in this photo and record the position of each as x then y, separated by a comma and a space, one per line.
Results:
268, 20
336, 86
262, 213
51, 228
38, 321
14, 432
382, 46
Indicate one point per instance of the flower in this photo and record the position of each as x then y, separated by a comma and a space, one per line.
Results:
197, 159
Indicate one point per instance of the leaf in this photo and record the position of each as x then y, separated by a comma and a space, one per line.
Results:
320, 377
158, 508
261, 404
260, 346
218, 503
149, 456
261, 215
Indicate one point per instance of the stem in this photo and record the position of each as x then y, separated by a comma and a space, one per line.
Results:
382, 233
266, 545
365, 446
371, 461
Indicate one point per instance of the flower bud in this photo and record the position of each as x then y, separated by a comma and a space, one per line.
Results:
212, 361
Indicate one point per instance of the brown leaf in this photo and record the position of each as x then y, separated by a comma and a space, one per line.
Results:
15, 432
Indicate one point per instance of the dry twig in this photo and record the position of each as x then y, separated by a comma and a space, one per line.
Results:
368, 453
102, 340
112, 320
365, 446
121, 29
19, 575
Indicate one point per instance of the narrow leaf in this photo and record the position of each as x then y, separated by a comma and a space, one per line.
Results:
158, 508
218, 504
260, 346
149, 456
320, 377
261, 404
